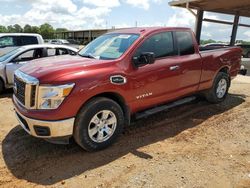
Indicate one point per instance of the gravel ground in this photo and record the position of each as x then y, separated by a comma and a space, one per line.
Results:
195, 145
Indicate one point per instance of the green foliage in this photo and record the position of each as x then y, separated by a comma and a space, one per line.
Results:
3, 29
58, 30
46, 30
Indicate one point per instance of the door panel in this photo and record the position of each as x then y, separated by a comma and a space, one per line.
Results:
169, 78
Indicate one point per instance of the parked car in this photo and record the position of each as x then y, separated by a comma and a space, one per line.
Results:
64, 42
11, 41
15, 59
59, 41
126, 73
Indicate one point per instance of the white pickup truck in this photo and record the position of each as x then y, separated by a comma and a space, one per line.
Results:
11, 41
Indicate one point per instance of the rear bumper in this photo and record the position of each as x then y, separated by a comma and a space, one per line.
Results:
46, 129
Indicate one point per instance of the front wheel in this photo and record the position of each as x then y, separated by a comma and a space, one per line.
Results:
1, 86
98, 124
219, 90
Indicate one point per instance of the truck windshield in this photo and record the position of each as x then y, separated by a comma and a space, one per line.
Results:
109, 46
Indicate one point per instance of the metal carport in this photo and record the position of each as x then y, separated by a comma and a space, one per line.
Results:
233, 7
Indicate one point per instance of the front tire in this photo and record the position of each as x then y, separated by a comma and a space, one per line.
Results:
1, 86
219, 90
98, 124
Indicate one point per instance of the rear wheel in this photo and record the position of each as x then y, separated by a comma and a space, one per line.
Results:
98, 124
220, 88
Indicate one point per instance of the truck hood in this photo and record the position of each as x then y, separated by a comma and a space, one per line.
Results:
49, 69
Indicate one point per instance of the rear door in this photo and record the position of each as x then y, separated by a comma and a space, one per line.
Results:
189, 62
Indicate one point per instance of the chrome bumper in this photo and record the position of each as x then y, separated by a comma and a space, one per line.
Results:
46, 129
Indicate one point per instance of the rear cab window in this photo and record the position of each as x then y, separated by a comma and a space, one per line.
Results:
28, 40
185, 44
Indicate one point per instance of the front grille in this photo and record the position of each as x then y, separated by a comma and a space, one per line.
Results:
25, 89
33, 96
20, 88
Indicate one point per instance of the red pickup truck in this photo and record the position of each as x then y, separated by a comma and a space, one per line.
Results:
122, 74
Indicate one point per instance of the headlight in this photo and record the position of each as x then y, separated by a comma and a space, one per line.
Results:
51, 97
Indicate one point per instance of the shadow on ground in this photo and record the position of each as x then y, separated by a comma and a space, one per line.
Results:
6, 93
43, 163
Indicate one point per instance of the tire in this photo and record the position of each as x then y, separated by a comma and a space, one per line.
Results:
1, 86
216, 95
91, 125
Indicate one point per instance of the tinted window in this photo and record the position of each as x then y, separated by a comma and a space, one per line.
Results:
161, 44
185, 43
27, 40
8, 41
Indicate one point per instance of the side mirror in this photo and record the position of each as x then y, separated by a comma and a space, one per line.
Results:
145, 58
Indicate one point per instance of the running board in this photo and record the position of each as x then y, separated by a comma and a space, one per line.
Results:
164, 107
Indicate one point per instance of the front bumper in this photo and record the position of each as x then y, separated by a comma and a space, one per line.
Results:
46, 129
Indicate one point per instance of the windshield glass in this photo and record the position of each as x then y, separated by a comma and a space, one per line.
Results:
8, 55
109, 46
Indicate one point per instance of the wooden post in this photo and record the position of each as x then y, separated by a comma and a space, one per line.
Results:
198, 25
235, 29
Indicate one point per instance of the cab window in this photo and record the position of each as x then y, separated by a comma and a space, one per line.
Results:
185, 43
161, 44
8, 41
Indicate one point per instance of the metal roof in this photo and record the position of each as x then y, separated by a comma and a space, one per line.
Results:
235, 7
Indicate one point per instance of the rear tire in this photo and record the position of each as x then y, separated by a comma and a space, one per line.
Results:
98, 124
219, 90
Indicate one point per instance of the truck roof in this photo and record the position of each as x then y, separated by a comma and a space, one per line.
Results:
147, 30
19, 34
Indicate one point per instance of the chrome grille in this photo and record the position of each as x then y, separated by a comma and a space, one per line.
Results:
19, 89
25, 89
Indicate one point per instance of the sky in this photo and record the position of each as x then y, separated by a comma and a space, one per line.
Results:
89, 14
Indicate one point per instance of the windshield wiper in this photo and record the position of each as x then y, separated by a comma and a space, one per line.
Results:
87, 56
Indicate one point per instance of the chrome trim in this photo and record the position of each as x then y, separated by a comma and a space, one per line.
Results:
26, 78
118, 76
30, 81
59, 128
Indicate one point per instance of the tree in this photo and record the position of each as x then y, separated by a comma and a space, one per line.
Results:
35, 29
10, 29
47, 31
3, 29
27, 29
18, 28
59, 30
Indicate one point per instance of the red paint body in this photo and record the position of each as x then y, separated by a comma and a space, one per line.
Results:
92, 76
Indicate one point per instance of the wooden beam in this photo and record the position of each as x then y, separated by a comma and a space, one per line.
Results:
198, 25
234, 30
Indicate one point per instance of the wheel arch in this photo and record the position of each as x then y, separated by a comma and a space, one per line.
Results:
226, 71
119, 99
2, 80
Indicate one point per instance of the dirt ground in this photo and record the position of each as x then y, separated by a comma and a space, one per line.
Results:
195, 145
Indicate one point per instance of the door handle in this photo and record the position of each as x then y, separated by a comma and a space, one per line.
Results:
173, 68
